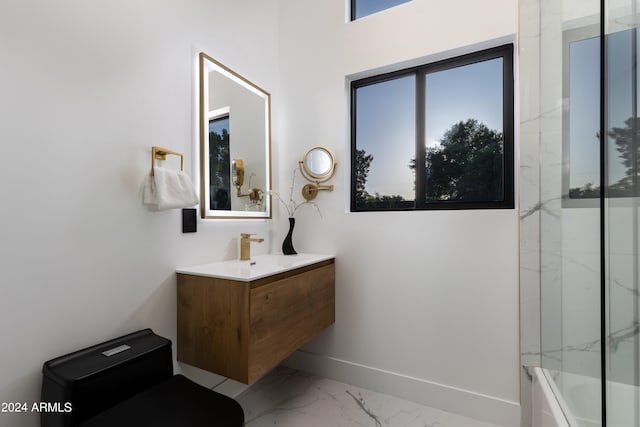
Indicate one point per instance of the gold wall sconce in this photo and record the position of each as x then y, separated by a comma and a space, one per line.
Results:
317, 166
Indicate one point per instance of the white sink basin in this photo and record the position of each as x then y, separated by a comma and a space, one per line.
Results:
258, 267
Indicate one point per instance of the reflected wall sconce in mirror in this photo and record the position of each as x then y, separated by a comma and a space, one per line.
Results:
237, 175
317, 166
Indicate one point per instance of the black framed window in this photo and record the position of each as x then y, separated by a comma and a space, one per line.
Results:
362, 8
436, 136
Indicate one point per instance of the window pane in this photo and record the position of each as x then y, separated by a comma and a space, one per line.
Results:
362, 8
464, 133
622, 121
584, 118
385, 145
219, 164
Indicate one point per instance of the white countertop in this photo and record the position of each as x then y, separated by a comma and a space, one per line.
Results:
256, 268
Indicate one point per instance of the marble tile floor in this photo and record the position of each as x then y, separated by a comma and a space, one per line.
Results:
289, 398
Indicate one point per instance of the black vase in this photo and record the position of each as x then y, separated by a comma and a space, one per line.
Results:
287, 245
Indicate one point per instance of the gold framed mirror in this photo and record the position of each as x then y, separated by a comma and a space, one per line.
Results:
235, 144
317, 166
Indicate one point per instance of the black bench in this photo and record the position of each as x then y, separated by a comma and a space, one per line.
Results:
127, 382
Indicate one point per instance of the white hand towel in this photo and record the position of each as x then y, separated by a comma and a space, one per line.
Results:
168, 189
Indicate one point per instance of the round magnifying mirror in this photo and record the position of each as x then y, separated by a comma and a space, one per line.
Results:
319, 163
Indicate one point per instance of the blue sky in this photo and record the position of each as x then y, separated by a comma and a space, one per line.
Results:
367, 7
218, 125
473, 91
386, 129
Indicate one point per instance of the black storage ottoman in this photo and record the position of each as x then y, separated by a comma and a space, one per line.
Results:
129, 381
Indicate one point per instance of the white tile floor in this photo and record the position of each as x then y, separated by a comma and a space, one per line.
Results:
289, 398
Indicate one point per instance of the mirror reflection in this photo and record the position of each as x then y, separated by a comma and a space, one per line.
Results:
319, 162
234, 144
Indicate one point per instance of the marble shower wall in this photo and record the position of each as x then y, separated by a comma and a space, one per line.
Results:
529, 196
529, 181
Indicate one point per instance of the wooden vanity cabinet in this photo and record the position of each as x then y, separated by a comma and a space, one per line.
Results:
241, 330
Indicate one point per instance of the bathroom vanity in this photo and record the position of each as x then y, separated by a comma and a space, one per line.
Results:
240, 319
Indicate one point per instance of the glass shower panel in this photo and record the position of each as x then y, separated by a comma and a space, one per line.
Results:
569, 203
623, 376
575, 304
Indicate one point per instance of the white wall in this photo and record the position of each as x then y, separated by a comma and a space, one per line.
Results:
427, 302
86, 88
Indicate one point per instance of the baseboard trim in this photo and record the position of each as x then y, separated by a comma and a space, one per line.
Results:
451, 399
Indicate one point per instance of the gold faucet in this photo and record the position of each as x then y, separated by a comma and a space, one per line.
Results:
245, 245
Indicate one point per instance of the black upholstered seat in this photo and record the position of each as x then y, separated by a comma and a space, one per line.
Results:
173, 403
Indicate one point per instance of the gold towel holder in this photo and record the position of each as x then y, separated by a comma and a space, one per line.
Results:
161, 154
